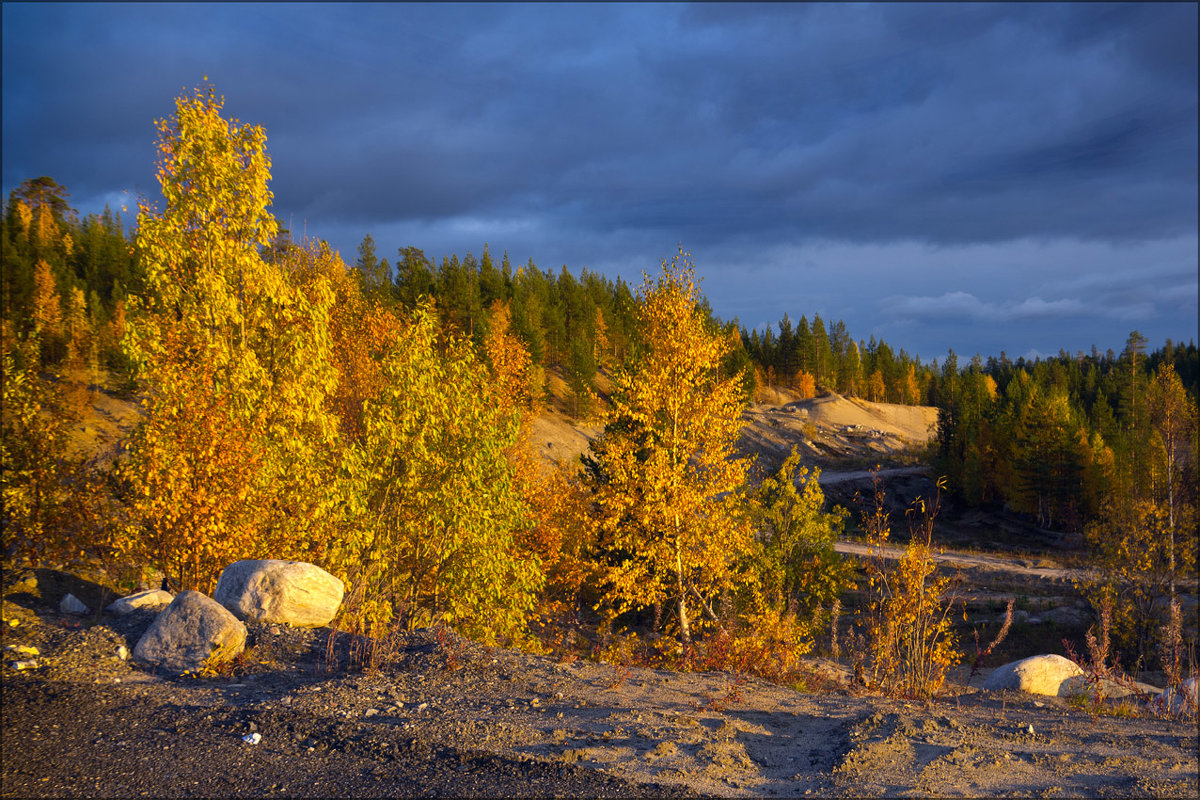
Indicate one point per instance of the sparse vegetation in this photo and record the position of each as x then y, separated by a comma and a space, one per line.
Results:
906, 642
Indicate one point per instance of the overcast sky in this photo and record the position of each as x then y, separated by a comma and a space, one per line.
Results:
1017, 177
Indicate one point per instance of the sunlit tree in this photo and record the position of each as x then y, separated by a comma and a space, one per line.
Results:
235, 357
664, 476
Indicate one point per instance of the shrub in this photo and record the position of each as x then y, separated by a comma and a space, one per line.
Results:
907, 642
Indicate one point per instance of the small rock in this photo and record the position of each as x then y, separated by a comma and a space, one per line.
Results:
1182, 699
72, 605
423, 706
23, 650
371, 712
252, 738
20, 666
123, 652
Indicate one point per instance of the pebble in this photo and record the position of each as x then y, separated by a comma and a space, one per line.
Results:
252, 738
23, 665
23, 650
371, 712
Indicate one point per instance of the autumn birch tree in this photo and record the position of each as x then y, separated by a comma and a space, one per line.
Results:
664, 477
234, 355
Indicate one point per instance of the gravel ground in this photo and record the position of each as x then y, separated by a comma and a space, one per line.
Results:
442, 716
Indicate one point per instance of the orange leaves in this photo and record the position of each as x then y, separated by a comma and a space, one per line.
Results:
806, 385
511, 365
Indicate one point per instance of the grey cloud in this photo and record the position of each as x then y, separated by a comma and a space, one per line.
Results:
967, 306
603, 135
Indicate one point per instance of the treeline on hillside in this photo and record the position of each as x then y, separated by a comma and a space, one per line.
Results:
70, 277
66, 277
577, 324
1056, 437
808, 358
1099, 446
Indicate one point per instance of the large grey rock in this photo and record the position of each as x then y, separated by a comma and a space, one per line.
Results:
1044, 674
153, 600
193, 629
1106, 688
288, 592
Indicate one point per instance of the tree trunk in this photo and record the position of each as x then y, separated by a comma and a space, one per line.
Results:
685, 628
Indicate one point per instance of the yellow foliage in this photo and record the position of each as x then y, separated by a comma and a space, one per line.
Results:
33, 463
664, 479
431, 503
909, 640
234, 454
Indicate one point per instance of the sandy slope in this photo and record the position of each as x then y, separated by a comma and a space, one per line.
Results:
826, 428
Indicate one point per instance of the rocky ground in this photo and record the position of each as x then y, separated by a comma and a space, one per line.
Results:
441, 716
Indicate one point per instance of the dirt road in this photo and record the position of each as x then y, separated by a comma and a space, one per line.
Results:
969, 561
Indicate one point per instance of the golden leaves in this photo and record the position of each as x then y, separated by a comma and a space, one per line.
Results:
666, 478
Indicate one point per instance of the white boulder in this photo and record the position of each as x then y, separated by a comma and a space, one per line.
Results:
154, 600
1045, 674
289, 592
192, 630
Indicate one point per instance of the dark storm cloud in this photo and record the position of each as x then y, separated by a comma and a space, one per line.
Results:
760, 136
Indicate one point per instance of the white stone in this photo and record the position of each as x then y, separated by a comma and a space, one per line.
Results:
289, 592
192, 630
1044, 674
153, 599
71, 604
252, 738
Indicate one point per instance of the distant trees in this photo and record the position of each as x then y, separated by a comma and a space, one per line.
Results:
1098, 446
809, 359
